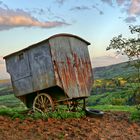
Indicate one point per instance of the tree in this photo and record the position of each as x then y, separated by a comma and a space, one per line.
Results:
131, 48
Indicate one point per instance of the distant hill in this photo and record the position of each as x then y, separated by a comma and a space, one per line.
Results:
5, 87
117, 70
106, 72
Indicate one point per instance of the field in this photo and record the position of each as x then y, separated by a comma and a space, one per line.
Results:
5, 87
112, 95
21, 126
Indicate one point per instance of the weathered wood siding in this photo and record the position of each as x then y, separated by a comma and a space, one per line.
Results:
72, 65
31, 70
41, 67
19, 69
82, 66
61, 60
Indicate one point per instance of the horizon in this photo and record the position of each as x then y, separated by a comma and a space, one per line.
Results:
7, 76
25, 23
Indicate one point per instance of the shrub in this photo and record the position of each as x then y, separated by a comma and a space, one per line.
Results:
118, 101
135, 116
61, 114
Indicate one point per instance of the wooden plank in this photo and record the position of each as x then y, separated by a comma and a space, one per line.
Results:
22, 86
41, 67
67, 52
18, 66
82, 66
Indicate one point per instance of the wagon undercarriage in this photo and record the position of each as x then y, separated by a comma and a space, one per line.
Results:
44, 103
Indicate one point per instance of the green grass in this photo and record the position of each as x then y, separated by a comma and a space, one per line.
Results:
110, 98
14, 113
115, 101
134, 113
135, 116
115, 108
11, 101
14, 108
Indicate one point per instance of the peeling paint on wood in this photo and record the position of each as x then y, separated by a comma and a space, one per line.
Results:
61, 60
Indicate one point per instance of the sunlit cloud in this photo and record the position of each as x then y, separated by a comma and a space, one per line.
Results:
134, 8
130, 7
10, 18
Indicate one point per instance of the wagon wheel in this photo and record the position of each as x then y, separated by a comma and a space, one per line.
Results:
43, 103
77, 105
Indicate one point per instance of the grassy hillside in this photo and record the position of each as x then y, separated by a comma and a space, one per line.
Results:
121, 69
5, 87
111, 98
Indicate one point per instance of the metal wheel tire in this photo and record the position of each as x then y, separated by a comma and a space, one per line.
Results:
77, 105
43, 103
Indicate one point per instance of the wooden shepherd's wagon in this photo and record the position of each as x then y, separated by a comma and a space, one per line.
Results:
54, 71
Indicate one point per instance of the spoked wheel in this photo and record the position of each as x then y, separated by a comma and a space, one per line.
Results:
76, 105
43, 103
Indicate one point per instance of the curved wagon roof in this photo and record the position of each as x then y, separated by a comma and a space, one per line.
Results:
51, 37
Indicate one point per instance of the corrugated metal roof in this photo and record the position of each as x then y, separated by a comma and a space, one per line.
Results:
57, 35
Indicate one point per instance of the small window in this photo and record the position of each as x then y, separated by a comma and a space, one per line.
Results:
21, 56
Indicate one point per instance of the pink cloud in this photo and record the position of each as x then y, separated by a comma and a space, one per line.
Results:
134, 8
10, 18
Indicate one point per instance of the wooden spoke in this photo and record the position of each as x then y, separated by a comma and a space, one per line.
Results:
43, 103
76, 105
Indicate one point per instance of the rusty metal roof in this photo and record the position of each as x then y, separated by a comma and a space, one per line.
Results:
56, 35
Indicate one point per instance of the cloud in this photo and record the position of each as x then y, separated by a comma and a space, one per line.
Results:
80, 8
134, 8
100, 12
130, 7
60, 2
130, 19
83, 8
10, 18
120, 2
38, 11
107, 60
1, 2
109, 2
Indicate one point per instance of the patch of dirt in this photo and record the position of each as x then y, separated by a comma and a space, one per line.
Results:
112, 126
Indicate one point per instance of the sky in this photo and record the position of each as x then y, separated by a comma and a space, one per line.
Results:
24, 22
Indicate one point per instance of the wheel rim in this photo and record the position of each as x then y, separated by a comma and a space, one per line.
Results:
43, 103
76, 105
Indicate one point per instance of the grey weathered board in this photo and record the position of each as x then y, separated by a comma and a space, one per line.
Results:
61, 60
